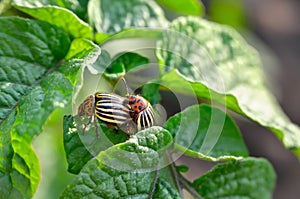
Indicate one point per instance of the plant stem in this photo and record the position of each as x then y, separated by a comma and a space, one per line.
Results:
153, 184
174, 172
188, 186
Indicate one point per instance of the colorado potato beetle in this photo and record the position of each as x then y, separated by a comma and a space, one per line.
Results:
131, 113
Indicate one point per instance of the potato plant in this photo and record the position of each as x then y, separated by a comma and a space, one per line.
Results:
55, 53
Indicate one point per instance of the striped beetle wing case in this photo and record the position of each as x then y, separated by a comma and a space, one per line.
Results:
131, 113
145, 118
111, 108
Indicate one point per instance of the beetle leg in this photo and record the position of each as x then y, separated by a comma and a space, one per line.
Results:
96, 126
85, 125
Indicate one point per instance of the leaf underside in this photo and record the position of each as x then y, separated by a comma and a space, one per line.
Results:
206, 132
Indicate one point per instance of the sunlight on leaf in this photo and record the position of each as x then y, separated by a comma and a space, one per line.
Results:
54, 15
221, 67
113, 16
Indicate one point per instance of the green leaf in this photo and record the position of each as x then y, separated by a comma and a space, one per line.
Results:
33, 83
77, 6
151, 93
137, 33
125, 63
206, 132
113, 16
130, 33
30, 90
76, 153
103, 61
100, 37
248, 178
78, 145
188, 7
132, 61
182, 168
119, 65
4, 7
54, 15
141, 152
115, 70
164, 190
228, 12
79, 48
125, 170
216, 64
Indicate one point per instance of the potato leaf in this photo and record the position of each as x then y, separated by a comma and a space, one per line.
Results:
206, 132
34, 80
214, 62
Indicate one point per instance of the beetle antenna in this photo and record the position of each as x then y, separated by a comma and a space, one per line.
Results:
127, 90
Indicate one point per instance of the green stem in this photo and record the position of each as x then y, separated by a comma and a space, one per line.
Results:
153, 184
188, 186
174, 172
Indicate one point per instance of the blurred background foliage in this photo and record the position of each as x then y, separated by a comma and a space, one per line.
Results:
272, 27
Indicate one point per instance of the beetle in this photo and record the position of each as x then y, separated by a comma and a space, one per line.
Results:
109, 108
131, 113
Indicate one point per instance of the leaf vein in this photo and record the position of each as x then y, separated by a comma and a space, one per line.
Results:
51, 70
